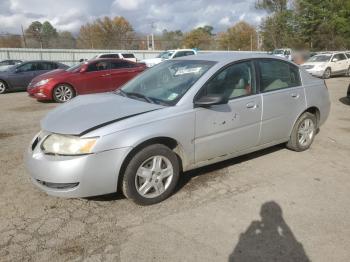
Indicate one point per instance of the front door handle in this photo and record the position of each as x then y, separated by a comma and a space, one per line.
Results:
251, 105
295, 95
105, 75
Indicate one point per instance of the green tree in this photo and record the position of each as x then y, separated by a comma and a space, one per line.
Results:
200, 38
241, 36
107, 33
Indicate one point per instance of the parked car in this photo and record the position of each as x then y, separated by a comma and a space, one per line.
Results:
286, 53
169, 54
328, 64
19, 76
94, 76
5, 64
126, 56
182, 114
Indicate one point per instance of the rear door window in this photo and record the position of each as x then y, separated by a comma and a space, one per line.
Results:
275, 75
128, 55
121, 64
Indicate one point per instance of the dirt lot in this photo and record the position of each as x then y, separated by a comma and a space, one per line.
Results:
218, 213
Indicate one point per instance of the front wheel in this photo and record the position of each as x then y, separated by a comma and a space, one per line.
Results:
327, 73
348, 72
3, 87
63, 93
303, 133
151, 175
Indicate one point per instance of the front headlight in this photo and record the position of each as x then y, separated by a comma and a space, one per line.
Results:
322, 66
42, 82
68, 145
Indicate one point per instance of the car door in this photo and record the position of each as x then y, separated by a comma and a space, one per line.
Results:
338, 64
283, 99
122, 71
96, 78
232, 127
21, 76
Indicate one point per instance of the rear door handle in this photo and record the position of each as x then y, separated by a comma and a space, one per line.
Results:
251, 105
295, 95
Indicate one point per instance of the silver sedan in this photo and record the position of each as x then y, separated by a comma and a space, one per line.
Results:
177, 116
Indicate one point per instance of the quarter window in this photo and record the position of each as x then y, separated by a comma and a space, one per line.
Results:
276, 75
235, 81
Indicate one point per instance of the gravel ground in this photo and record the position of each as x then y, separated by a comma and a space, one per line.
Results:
272, 203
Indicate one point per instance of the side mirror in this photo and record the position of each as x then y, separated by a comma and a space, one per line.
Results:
210, 100
335, 60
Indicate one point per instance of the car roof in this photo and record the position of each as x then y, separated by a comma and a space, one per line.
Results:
38, 61
229, 56
107, 59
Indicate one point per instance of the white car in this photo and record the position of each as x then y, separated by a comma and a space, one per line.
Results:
169, 54
126, 56
326, 65
283, 52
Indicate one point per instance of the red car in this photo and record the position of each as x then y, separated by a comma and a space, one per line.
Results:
99, 75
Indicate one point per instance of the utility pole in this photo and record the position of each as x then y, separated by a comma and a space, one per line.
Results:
24, 38
152, 35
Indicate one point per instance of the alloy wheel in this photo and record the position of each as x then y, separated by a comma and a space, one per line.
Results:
2, 87
306, 132
63, 93
154, 176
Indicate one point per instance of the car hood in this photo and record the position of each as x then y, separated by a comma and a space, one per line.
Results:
152, 60
88, 112
313, 64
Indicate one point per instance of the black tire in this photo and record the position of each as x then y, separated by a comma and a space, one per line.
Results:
348, 72
129, 179
60, 98
327, 73
3, 87
294, 142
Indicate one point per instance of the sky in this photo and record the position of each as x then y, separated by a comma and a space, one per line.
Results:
163, 14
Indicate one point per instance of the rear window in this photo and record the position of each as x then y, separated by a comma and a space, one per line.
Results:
128, 55
109, 56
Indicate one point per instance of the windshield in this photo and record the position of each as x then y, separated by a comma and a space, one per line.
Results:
320, 58
278, 52
73, 68
165, 55
166, 83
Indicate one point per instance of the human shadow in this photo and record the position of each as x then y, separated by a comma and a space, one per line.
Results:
269, 240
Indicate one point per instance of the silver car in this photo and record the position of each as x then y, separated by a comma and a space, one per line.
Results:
179, 115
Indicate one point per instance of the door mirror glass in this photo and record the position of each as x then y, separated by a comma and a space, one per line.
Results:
335, 59
210, 100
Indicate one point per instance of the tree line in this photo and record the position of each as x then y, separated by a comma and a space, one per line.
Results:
308, 24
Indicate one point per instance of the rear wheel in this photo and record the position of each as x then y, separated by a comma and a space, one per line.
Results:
3, 87
63, 93
151, 175
327, 73
303, 133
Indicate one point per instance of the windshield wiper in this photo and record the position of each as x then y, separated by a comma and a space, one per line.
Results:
140, 96
132, 94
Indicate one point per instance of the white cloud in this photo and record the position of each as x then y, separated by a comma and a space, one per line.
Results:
128, 4
164, 14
